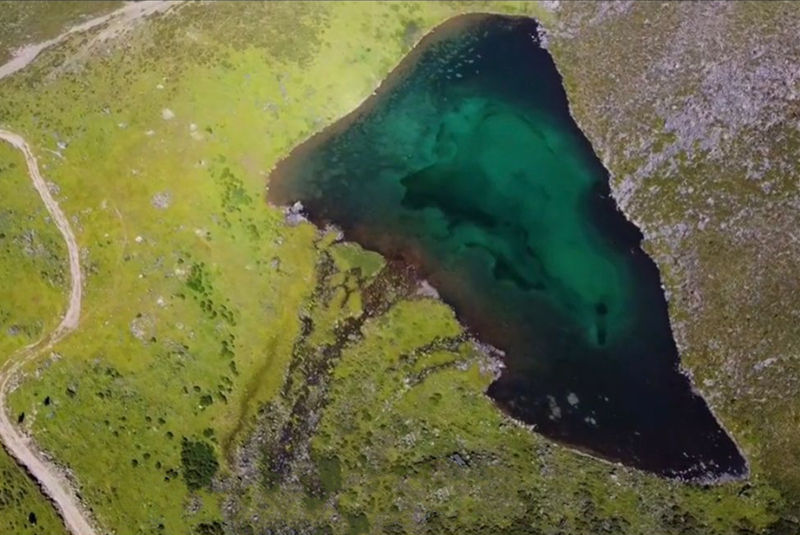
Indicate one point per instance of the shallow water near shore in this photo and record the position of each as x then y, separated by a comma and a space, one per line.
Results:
467, 164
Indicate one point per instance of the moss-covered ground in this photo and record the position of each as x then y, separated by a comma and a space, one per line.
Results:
232, 372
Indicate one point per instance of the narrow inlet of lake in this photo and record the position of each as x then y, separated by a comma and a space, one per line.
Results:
467, 164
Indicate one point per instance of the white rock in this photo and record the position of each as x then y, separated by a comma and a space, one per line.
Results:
572, 399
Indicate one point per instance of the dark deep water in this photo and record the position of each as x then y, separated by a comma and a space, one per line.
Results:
467, 164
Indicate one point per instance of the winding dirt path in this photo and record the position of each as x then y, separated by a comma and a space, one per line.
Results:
19, 446
50, 479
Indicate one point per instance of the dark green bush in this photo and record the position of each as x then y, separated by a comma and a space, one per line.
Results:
210, 528
330, 474
199, 463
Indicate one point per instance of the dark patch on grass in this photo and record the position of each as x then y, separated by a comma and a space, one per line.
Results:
199, 463
210, 528
330, 474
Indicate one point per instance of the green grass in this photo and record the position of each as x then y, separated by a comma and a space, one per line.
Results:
23, 509
192, 324
33, 271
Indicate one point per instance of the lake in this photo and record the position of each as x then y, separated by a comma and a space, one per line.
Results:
467, 164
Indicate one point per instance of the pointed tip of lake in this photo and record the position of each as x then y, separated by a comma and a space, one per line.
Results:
467, 164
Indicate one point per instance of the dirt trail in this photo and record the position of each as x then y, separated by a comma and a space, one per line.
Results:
50, 479
19, 445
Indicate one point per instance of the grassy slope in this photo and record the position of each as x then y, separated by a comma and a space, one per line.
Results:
32, 22
32, 297
699, 128
192, 311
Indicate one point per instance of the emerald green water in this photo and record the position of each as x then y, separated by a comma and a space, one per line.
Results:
492, 188
467, 165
